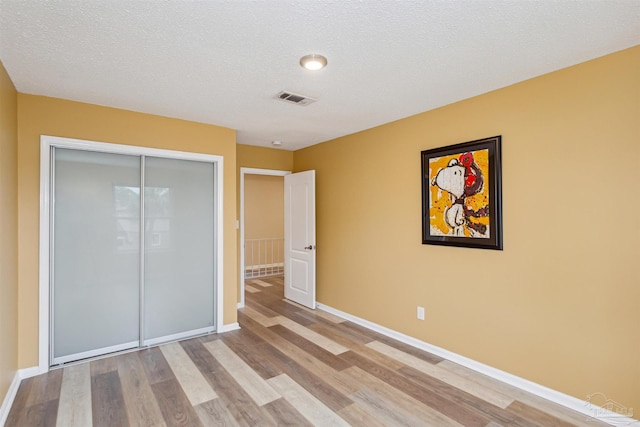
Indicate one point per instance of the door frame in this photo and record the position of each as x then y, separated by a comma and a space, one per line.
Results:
46, 142
243, 172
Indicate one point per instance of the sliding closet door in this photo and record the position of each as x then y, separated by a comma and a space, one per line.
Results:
96, 253
179, 248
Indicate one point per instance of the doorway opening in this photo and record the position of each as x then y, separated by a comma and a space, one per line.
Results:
261, 225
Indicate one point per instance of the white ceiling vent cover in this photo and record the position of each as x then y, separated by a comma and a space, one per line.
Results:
294, 98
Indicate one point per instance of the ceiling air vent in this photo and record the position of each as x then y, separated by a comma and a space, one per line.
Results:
294, 98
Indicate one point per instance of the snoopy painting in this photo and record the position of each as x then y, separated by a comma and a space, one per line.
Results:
458, 196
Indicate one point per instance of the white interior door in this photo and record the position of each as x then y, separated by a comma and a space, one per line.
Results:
300, 238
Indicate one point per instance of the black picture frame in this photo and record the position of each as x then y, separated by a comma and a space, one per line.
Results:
460, 205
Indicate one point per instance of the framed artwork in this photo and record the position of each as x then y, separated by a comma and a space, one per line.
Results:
462, 195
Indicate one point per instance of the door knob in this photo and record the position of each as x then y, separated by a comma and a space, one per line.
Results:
310, 247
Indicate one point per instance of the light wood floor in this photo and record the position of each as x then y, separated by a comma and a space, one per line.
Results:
286, 366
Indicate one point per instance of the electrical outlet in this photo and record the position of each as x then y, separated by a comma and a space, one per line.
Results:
420, 313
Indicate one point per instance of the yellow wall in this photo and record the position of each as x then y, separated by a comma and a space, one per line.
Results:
250, 156
39, 115
561, 304
8, 232
263, 206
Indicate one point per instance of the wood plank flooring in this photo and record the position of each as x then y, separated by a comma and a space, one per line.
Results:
288, 366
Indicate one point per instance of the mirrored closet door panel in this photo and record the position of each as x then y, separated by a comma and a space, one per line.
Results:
96, 253
179, 248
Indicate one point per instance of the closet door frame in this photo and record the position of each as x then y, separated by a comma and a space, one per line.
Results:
46, 143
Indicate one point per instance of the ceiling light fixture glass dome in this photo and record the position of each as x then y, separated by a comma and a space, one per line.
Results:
313, 62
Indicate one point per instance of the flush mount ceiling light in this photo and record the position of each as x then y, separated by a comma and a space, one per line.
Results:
313, 62
276, 143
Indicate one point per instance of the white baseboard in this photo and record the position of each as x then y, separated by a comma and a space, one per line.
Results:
263, 266
240, 305
555, 396
20, 375
32, 372
228, 328
13, 389
8, 399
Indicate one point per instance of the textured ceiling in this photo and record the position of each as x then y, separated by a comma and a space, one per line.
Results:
221, 62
